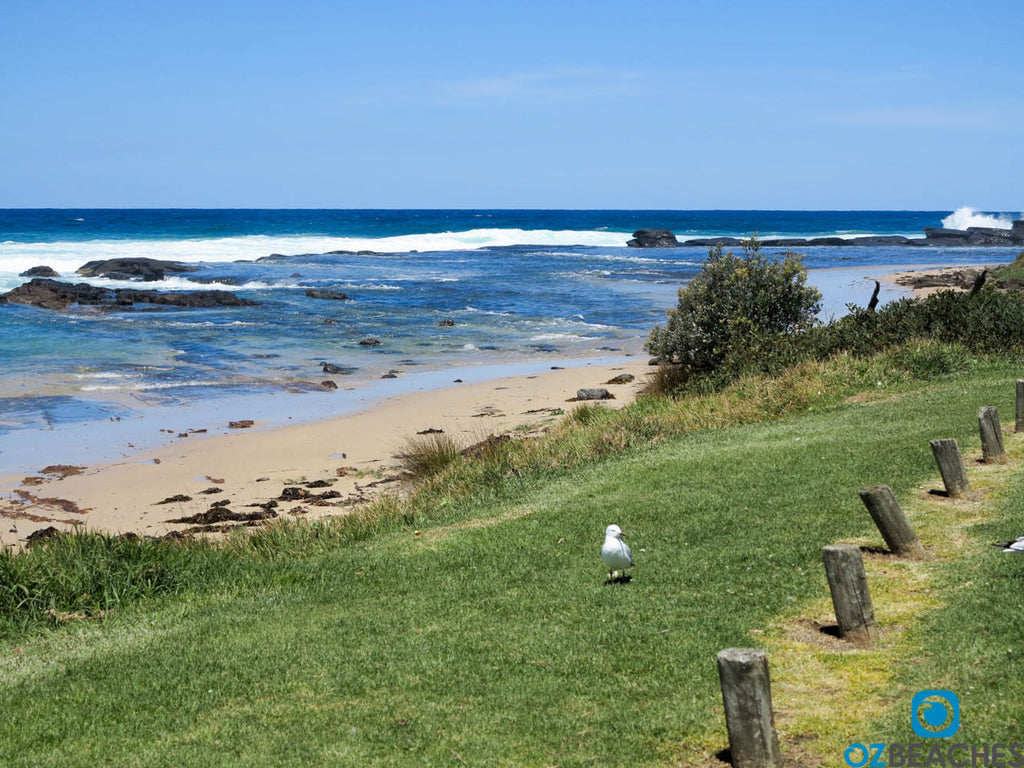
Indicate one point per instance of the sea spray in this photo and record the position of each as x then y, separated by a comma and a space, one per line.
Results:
965, 217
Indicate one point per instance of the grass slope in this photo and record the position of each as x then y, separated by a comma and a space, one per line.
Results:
491, 637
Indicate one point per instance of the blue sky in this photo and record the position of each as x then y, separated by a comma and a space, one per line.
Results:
597, 104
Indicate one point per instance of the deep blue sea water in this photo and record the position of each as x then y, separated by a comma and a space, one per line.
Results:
518, 285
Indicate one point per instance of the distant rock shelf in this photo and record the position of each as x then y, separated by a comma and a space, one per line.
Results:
933, 236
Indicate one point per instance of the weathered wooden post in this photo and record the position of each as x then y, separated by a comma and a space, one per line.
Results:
991, 435
951, 466
746, 693
1019, 425
891, 522
851, 599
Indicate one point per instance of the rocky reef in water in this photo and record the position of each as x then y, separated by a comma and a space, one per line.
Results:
53, 294
933, 236
46, 293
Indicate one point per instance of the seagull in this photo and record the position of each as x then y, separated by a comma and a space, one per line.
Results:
615, 553
1012, 546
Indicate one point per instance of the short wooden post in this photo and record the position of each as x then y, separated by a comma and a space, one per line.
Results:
991, 435
851, 599
746, 693
951, 466
891, 522
1019, 426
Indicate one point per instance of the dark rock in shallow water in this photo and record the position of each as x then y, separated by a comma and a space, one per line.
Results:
713, 241
326, 293
370, 342
999, 234
147, 270
52, 294
976, 235
991, 236
332, 368
939, 233
828, 241
40, 272
881, 240
653, 238
196, 299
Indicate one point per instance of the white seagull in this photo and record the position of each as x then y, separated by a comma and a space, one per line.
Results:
615, 553
1012, 546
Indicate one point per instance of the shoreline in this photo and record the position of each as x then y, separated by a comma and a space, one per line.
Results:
109, 424
348, 457
344, 442
923, 281
133, 427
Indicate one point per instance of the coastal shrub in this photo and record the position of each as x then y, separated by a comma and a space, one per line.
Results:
734, 316
990, 322
423, 456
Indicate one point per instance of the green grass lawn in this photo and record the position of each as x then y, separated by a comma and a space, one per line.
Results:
491, 637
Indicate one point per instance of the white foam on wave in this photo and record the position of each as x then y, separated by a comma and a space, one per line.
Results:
965, 217
486, 311
371, 286
66, 256
106, 375
148, 386
184, 284
558, 337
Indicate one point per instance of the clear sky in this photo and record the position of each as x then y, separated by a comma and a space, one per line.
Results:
673, 104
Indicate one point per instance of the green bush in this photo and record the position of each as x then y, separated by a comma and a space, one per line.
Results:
990, 322
733, 317
750, 314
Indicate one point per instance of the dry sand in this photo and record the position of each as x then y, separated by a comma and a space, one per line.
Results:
353, 453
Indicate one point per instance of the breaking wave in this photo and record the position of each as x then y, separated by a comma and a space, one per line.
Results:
965, 217
67, 256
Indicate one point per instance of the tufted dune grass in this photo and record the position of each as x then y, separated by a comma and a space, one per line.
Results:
469, 623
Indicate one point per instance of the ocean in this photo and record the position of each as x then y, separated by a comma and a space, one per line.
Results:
445, 293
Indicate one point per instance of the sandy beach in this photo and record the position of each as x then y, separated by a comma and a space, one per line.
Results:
314, 469
924, 281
